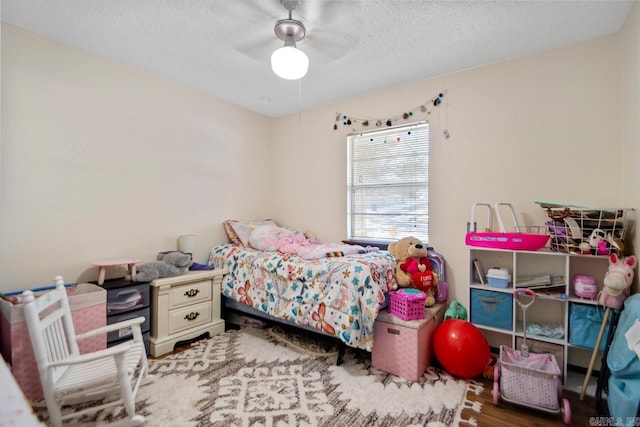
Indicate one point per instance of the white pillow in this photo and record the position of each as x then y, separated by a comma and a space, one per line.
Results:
266, 237
238, 231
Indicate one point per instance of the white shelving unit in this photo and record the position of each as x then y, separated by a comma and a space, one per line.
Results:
551, 306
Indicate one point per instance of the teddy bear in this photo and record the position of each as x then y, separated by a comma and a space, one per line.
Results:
172, 264
413, 267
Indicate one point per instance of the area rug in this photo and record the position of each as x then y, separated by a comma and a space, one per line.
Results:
253, 378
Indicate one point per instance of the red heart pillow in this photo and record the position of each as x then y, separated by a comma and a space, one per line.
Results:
423, 280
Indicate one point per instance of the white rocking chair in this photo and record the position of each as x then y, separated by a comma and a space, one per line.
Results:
68, 377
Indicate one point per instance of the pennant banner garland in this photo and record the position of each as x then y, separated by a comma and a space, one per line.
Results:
352, 121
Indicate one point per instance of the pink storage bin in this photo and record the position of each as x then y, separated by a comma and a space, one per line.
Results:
89, 310
407, 304
403, 347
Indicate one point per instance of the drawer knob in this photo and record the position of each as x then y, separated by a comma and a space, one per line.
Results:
192, 315
191, 293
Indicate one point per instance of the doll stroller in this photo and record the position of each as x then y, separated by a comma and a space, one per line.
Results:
529, 379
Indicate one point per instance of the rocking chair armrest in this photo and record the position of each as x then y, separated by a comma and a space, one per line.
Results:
113, 327
88, 357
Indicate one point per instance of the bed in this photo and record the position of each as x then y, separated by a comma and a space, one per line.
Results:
334, 289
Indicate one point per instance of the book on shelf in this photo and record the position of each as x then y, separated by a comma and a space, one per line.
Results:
549, 292
479, 271
541, 280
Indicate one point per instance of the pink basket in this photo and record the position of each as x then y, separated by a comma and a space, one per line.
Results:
534, 380
523, 238
510, 241
407, 304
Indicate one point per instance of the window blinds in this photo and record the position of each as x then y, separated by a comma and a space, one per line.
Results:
388, 183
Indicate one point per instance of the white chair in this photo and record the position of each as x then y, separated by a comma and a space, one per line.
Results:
111, 376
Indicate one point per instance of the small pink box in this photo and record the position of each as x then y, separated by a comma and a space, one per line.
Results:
585, 287
89, 310
403, 347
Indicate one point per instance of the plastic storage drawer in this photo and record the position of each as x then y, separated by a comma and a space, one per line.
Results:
126, 298
493, 309
121, 334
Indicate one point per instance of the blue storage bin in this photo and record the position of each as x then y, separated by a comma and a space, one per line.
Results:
494, 309
584, 325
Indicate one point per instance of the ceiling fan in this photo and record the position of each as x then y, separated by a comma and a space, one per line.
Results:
316, 24
288, 62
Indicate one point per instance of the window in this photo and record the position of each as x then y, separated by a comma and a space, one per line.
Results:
388, 184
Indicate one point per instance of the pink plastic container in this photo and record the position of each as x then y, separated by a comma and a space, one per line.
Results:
520, 239
407, 304
510, 241
585, 287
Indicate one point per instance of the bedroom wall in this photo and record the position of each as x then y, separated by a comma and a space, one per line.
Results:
98, 160
102, 161
630, 100
543, 127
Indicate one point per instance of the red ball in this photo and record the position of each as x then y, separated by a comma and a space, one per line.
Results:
461, 348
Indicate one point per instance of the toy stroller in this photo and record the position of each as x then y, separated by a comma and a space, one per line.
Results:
529, 379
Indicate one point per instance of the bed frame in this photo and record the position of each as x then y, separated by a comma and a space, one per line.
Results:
229, 304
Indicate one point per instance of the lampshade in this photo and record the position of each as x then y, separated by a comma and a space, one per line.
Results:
187, 243
289, 63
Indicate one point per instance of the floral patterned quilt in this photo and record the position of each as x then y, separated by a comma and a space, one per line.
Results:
340, 296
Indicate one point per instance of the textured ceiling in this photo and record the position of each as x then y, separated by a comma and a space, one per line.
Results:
222, 47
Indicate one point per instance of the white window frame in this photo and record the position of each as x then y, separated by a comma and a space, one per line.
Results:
388, 184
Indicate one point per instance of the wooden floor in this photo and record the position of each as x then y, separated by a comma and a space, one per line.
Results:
509, 414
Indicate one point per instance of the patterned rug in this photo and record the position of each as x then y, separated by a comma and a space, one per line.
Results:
253, 377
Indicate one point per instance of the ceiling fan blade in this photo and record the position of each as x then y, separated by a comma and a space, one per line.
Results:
258, 49
327, 11
330, 44
253, 12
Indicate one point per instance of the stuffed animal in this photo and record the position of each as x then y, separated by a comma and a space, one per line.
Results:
172, 264
404, 251
413, 267
617, 281
604, 243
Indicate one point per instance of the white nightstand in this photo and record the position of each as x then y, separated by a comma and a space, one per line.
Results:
185, 307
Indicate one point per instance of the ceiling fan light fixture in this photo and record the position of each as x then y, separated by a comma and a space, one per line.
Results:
289, 63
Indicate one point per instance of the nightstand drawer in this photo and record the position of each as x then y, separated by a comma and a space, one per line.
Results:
188, 317
189, 293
